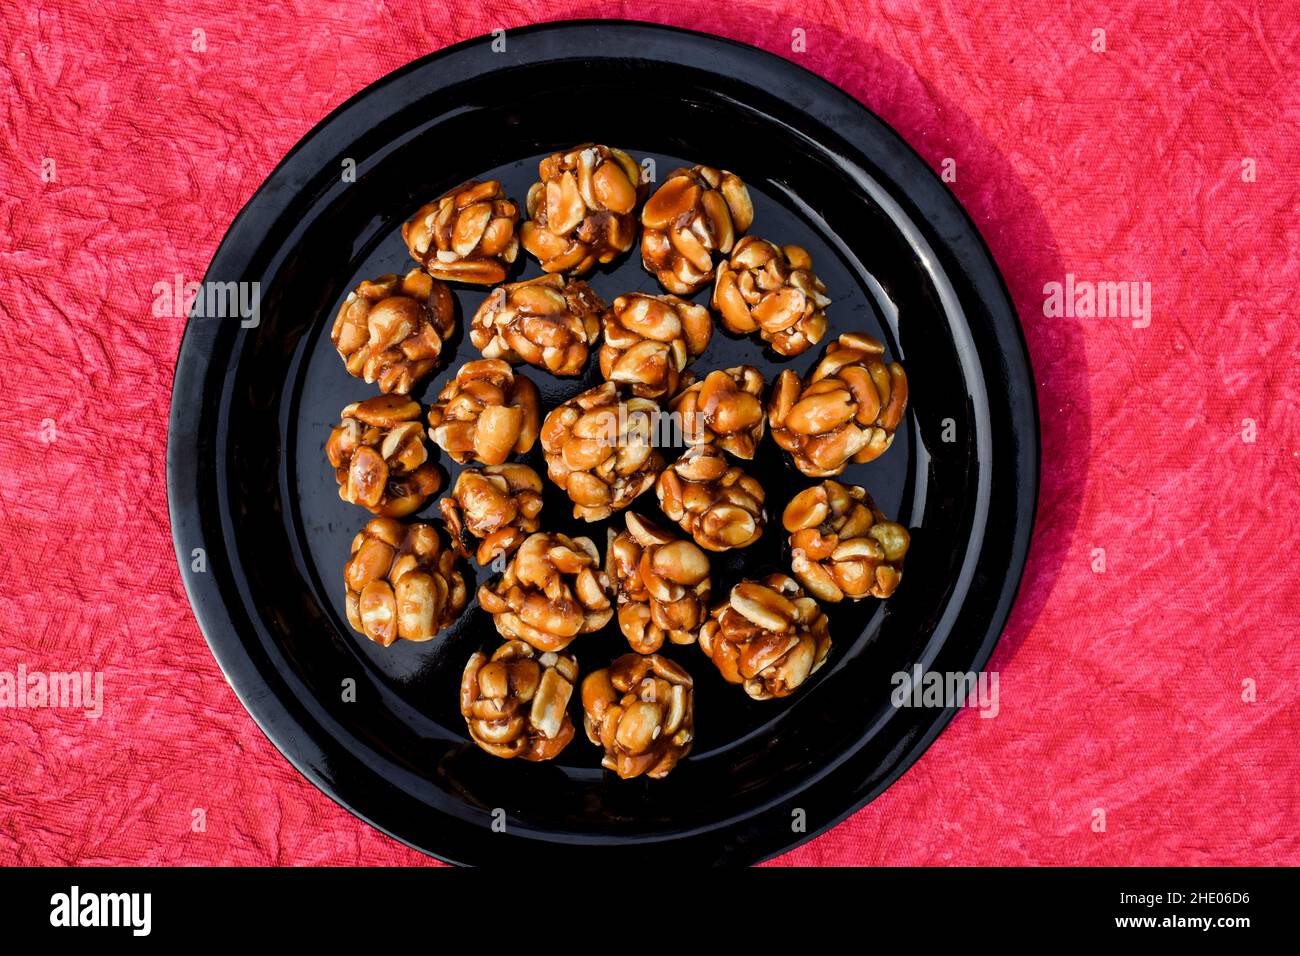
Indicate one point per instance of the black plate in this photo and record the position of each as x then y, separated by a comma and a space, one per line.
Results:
251, 409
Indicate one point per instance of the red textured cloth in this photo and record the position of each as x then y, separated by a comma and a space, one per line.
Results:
1165, 158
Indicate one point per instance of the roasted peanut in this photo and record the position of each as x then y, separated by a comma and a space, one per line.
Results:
499, 504
641, 710
600, 449
696, 213
846, 409
662, 584
725, 409
773, 291
486, 413
549, 322
379, 457
552, 590
402, 582
465, 235
768, 636
391, 331
650, 339
715, 502
842, 545
516, 702
581, 211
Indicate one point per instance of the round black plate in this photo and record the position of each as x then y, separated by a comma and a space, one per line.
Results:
252, 407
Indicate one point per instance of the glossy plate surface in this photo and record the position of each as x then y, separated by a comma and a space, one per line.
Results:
252, 408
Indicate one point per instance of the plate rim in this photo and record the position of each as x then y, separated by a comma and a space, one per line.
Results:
281, 721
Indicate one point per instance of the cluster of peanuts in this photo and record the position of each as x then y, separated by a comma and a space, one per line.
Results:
663, 585
842, 545
390, 331
846, 409
379, 456
402, 582
553, 590
601, 448
497, 504
649, 341
768, 636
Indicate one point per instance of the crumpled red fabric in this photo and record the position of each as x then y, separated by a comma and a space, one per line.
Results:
1148, 678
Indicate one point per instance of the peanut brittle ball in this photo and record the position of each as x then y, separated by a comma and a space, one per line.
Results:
486, 413
662, 584
402, 582
379, 456
552, 590
696, 213
465, 235
846, 409
772, 290
842, 545
516, 702
600, 450
581, 211
498, 504
649, 341
725, 409
391, 331
715, 502
768, 636
549, 322
641, 710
